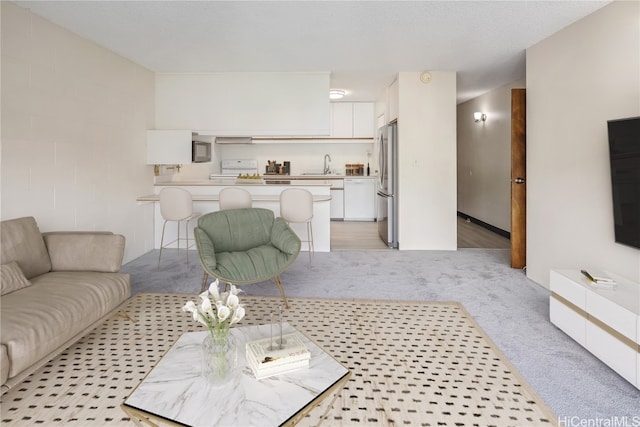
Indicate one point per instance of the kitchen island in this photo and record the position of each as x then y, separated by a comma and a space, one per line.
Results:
265, 194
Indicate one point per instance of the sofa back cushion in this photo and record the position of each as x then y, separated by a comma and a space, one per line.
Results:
85, 251
236, 230
21, 241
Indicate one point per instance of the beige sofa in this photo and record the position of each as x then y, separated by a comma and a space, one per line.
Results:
56, 287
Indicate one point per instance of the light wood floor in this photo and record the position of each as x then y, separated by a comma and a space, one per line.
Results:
472, 235
347, 235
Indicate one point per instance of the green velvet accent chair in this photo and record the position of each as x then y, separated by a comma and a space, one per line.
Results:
242, 246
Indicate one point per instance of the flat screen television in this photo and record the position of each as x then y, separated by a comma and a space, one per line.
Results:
624, 157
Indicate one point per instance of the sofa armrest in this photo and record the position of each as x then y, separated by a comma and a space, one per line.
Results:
206, 250
284, 238
85, 251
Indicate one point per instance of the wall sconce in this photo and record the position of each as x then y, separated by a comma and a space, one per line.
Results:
479, 117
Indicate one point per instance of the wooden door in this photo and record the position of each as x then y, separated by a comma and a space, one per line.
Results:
518, 178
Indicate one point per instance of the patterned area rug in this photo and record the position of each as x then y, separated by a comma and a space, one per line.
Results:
412, 363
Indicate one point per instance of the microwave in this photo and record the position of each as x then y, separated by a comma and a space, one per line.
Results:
200, 152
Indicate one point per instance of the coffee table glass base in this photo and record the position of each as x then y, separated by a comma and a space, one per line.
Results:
175, 392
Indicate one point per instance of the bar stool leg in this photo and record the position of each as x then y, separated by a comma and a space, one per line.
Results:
310, 239
161, 242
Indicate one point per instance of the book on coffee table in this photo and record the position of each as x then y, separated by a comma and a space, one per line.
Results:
266, 357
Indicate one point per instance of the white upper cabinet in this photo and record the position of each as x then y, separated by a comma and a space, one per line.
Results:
363, 120
168, 147
352, 119
341, 120
244, 104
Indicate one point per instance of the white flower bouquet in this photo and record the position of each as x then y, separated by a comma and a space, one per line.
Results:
217, 311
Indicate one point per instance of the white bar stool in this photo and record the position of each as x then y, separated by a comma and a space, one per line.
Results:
176, 204
234, 198
296, 205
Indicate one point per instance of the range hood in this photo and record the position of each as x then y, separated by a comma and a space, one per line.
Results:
233, 140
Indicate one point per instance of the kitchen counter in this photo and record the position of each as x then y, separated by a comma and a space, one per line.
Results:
328, 177
205, 195
281, 180
216, 197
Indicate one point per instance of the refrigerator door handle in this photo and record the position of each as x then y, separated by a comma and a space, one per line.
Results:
381, 158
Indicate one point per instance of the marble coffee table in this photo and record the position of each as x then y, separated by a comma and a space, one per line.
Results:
175, 392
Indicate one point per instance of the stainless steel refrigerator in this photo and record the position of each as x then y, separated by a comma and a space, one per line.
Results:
387, 198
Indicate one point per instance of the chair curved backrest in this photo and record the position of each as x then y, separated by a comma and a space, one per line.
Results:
234, 198
237, 230
175, 204
296, 205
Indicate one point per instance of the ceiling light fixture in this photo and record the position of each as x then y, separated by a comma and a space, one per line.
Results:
479, 117
336, 93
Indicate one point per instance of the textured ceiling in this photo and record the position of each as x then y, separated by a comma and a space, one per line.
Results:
362, 43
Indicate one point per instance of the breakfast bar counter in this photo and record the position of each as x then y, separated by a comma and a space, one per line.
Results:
264, 194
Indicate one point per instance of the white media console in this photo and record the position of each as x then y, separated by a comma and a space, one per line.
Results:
604, 321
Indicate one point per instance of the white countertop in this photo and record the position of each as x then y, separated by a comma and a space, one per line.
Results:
216, 197
315, 177
281, 180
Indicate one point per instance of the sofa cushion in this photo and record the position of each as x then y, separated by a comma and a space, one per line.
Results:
38, 319
85, 251
22, 242
12, 278
4, 364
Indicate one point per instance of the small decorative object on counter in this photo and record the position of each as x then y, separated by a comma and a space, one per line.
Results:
249, 179
274, 168
354, 169
219, 350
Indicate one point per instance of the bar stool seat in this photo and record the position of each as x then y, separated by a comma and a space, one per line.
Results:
296, 206
176, 204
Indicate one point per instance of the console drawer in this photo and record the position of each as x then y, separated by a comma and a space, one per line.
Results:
568, 289
571, 322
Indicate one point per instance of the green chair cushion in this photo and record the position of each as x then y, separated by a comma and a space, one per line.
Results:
255, 265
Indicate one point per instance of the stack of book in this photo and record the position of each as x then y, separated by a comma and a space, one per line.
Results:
266, 357
599, 281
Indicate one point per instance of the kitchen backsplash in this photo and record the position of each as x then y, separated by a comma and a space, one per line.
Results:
304, 157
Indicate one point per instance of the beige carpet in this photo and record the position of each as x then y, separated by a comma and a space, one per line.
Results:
412, 363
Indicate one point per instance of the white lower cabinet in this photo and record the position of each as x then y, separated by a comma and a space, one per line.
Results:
604, 321
337, 203
359, 199
612, 351
564, 318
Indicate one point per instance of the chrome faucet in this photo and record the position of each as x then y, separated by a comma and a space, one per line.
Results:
326, 166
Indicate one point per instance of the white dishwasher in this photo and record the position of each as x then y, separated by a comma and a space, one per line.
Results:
359, 199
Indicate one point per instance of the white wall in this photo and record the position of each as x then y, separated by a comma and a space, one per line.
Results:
427, 161
74, 118
578, 79
484, 157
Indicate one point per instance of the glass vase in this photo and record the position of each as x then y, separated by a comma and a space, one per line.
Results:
219, 357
